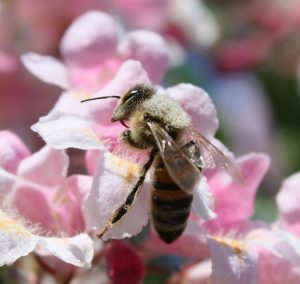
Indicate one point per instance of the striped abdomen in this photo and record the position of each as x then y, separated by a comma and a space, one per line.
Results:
170, 205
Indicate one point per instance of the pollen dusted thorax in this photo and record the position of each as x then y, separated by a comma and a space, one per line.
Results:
161, 109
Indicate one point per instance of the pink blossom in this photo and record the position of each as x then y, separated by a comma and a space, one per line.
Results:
93, 52
46, 202
12, 151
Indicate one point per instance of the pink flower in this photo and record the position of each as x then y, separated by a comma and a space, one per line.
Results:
93, 52
40, 204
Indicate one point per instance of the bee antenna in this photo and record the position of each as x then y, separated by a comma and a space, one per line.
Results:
100, 98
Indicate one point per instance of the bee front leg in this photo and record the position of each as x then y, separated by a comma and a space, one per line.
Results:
125, 137
122, 210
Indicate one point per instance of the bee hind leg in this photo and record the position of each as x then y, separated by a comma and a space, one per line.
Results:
120, 212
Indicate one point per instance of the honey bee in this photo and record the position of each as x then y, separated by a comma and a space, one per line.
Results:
179, 154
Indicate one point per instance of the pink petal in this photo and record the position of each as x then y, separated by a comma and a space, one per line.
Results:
279, 256
198, 105
32, 202
12, 151
233, 262
232, 196
185, 245
130, 74
112, 182
90, 39
288, 200
46, 68
63, 131
47, 166
124, 265
150, 49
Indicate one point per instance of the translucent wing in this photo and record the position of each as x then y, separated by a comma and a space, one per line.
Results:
206, 155
184, 173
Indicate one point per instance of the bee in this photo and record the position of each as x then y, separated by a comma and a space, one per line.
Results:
179, 154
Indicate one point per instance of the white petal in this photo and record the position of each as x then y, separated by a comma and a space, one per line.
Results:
203, 203
77, 250
233, 262
65, 131
113, 180
46, 68
15, 240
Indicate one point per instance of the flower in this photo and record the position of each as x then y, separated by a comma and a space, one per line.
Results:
93, 52
40, 206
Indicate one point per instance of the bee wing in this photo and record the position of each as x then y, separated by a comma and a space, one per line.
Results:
184, 173
210, 156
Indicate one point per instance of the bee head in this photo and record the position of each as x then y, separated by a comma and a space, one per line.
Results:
131, 101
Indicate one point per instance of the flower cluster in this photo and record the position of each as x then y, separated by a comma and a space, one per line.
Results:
56, 215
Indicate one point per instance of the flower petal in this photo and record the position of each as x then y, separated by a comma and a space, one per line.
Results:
232, 196
6, 182
113, 181
48, 167
150, 49
288, 200
65, 131
90, 39
203, 202
15, 240
129, 74
77, 250
46, 68
233, 262
198, 105
12, 151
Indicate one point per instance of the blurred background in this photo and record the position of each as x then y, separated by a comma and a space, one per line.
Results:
245, 54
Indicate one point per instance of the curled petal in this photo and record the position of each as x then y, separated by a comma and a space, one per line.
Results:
198, 105
12, 151
233, 262
203, 202
18, 240
90, 39
150, 49
77, 250
62, 131
113, 181
46, 68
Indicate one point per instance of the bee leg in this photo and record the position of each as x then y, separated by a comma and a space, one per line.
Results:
122, 210
125, 137
197, 162
188, 144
